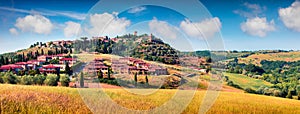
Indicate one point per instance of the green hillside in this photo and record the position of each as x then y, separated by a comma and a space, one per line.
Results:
247, 82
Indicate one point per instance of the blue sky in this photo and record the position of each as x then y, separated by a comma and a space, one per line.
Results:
186, 25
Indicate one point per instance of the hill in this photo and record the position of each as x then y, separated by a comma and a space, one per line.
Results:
147, 47
33, 99
280, 56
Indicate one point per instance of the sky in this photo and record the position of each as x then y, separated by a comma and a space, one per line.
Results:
186, 25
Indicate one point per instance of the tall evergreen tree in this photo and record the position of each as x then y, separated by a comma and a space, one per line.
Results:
2, 60
81, 80
135, 77
146, 78
68, 69
61, 50
6, 61
56, 51
42, 52
71, 51
108, 73
23, 57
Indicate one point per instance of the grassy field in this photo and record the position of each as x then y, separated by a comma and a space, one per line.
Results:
245, 81
282, 56
40, 99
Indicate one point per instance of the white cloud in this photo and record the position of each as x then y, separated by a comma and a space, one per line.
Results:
136, 9
290, 16
74, 15
258, 26
107, 24
251, 10
13, 31
34, 23
72, 29
203, 29
162, 29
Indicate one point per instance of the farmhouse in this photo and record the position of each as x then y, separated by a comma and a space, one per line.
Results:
131, 66
44, 58
95, 66
71, 61
12, 67
50, 69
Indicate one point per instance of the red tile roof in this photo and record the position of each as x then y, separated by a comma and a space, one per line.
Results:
21, 63
50, 66
12, 66
67, 59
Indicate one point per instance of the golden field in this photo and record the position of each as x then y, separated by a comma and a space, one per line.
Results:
282, 56
43, 99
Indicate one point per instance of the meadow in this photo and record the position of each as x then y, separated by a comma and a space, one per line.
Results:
43, 99
246, 82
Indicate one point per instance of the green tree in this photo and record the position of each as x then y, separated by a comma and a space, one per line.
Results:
10, 78
56, 51
81, 80
135, 77
2, 60
42, 52
289, 95
64, 80
27, 80
51, 80
68, 69
108, 73
39, 79
57, 74
146, 78
100, 74
298, 91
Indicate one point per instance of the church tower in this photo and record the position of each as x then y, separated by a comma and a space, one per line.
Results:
135, 33
150, 38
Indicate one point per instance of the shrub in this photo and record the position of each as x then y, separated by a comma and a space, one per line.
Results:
39, 79
27, 80
64, 80
250, 90
10, 78
1, 78
230, 83
51, 80
277, 93
32, 72
289, 95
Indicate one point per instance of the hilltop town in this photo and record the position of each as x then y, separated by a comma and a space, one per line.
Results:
134, 52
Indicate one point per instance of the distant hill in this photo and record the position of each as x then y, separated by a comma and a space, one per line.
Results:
37, 49
147, 47
275, 56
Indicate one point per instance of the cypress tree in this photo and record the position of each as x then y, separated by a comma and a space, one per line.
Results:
135, 77
146, 78
2, 60
42, 52
108, 73
81, 80
68, 69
